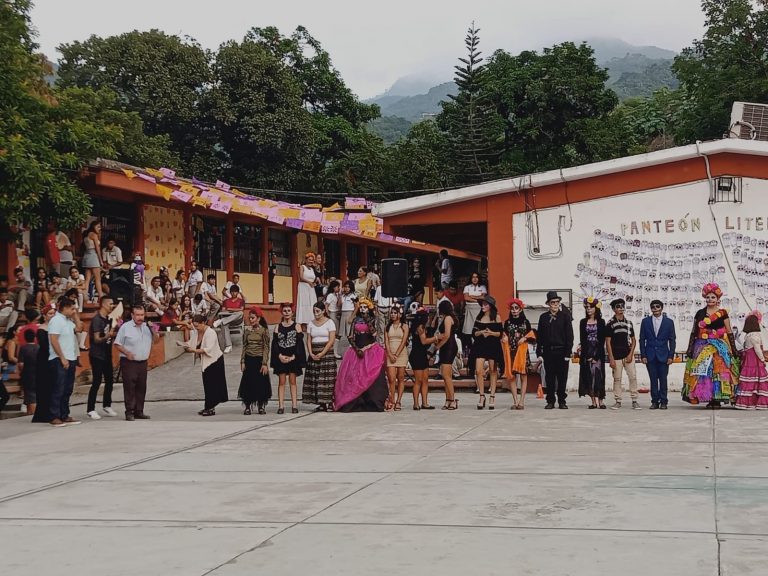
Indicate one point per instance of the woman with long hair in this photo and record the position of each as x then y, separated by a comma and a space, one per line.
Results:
306, 290
752, 391
487, 332
179, 284
517, 335
92, 262
41, 288
591, 350
446, 345
418, 358
473, 292
288, 356
361, 385
167, 287
255, 385
43, 373
712, 369
396, 345
320, 377
204, 344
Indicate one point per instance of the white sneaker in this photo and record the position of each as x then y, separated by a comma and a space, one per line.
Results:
109, 412
23, 408
228, 349
93, 415
217, 323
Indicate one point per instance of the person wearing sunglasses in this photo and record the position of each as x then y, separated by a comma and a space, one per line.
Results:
657, 350
620, 342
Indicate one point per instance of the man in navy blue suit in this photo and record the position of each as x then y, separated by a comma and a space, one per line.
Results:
657, 350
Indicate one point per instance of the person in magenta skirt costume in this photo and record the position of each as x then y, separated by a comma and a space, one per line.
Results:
752, 391
361, 384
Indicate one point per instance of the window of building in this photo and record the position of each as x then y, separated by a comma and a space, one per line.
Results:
247, 247
209, 236
374, 257
279, 253
725, 189
353, 260
118, 222
332, 255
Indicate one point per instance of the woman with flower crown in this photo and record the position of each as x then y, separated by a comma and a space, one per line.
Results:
712, 369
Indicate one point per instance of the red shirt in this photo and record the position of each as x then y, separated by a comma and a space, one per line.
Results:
34, 326
52, 249
234, 304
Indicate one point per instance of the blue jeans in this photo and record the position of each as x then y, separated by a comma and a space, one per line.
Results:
63, 382
657, 372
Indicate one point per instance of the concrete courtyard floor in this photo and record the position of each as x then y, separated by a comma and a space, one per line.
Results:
581, 492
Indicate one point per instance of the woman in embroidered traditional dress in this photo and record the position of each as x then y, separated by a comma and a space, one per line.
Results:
712, 370
752, 391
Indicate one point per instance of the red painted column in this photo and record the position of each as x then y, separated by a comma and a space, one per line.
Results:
229, 248
140, 239
265, 263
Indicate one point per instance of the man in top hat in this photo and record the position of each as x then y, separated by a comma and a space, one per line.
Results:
620, 342
554, 345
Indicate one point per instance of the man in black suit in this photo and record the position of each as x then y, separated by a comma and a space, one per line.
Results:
554, 344
657, 350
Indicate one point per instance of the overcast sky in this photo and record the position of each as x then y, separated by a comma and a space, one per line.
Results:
374, 43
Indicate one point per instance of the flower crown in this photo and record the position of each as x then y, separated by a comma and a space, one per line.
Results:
712, 288
365, 302
515, 301
592, 301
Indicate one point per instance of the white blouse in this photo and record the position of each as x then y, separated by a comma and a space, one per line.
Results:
754, 340
332, 302
475, 291
321, 334
307, 274
347, 302
209, 345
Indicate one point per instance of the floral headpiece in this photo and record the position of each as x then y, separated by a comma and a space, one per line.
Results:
592, 301
256, 310
515, 301
397, 307
712, 288
308, 254
758, 314
365, 302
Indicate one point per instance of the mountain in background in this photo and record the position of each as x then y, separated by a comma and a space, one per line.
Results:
634, 71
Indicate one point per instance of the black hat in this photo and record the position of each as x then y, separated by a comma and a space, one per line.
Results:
552, 295
488, 298
618, 301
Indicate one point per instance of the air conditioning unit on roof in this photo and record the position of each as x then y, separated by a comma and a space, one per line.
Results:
749, 121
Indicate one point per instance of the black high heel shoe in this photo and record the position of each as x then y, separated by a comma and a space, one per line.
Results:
492, 403
247, 411
294, 410
481, 402
281, 410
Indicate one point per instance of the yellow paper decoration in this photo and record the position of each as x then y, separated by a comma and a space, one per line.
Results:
333, 217
164, 191
289, 212
333, 208
311, 226
369, 233
129, 173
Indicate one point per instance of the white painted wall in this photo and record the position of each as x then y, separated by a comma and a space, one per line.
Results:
626, 246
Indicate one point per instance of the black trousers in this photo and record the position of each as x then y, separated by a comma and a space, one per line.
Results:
555, 374
4, 395
134, 385
101, 367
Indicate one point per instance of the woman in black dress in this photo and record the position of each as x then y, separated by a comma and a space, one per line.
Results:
288, 357
255, 386
43, 408
445, 342
592, 354
419, 360
487, 332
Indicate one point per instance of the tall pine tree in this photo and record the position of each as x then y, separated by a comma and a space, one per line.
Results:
474, 128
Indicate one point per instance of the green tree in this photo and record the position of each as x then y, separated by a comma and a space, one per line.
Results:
473, 127
163, 78
421, 160
729, 64
265, 136
44, 142
552, 104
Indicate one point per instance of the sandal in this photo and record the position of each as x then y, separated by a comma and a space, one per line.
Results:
492, 403
481, 402
427, 407
294, 410
247, 412
398, 407
416, 407
592, 406
209, 412
281, 410
451, 405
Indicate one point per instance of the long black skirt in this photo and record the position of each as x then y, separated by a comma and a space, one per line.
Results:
373, 399
254, 386
215, 384
43, 382
592, 379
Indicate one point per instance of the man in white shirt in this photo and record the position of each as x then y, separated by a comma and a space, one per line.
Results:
8, 314
383, 306
111, 254
200, 306
208, 290
155, 296
446, 269
195, 281
62, 361
234, 282
66, 255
